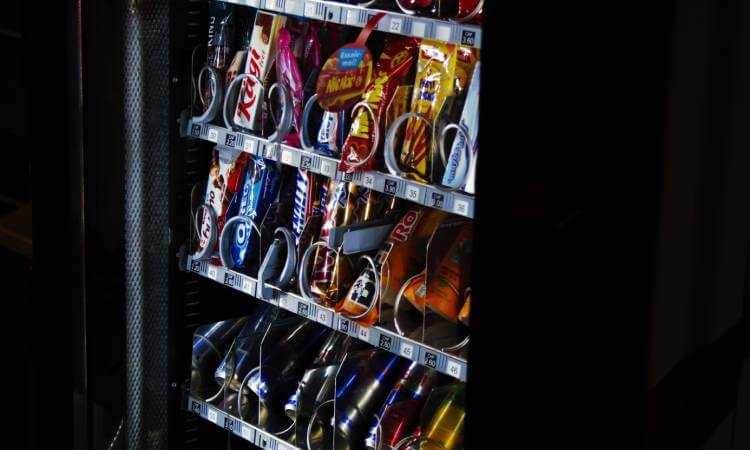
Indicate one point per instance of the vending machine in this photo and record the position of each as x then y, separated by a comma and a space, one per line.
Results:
299, 195
283, 235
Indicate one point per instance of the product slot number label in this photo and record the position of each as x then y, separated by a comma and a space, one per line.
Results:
460, 206
286, 157
213, 416
325, 317
406, 350
369, 181
453, 368
247, 433
352, 17
275, 5
250, 145
291, 6
327, 168
248, 286
213, 273
443, 32
396, 25
418, 29
213, 135
311, 10
413, 193
364, 334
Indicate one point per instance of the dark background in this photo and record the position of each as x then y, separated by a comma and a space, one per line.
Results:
613, 217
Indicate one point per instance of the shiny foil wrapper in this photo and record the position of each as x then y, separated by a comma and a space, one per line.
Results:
329, 270
225, 178
404, 249
391, 71
434, 83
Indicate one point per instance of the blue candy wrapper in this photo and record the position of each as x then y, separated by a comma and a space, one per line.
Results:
331, 134
259, 191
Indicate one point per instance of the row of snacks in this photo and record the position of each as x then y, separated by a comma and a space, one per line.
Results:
374, 101
372, 257
318, 389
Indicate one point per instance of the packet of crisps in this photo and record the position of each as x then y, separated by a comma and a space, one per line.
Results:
435, 81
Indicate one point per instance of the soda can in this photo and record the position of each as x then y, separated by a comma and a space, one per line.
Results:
399, 415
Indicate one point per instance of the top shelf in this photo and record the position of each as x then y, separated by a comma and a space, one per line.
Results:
357, 16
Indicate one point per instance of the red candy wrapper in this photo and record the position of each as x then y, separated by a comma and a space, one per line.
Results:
390, 72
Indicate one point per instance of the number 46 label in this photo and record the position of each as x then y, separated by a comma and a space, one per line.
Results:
453, 368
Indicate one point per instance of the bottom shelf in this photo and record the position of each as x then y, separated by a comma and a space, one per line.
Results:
244, 430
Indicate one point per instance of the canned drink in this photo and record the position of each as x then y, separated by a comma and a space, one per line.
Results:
445, 429
210, 342
363, 384
330, 354
399, 415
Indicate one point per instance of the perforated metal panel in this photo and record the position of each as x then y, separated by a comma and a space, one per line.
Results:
147, 203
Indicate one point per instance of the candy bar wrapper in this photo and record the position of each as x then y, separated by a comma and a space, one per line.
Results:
238, 62
260, 189
288, 73
224, 180
390, 72
338, 211
307, 200
298, 33
311, 59
331, 134
258, 63
458, 163
466, 59
435, 81
404, 250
